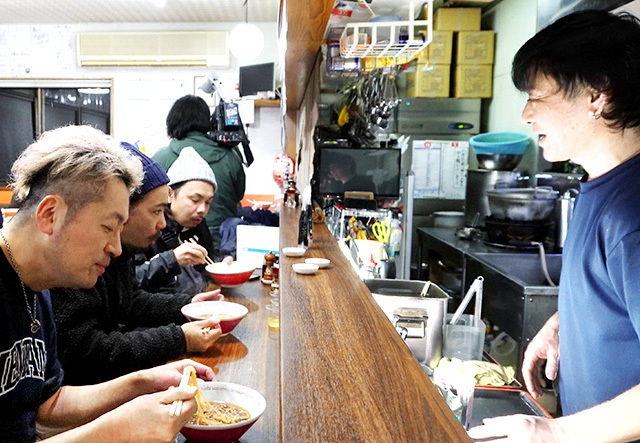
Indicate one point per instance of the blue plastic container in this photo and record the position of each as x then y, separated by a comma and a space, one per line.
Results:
500, 143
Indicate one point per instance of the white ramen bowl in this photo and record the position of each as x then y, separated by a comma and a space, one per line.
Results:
239, 395
231, 312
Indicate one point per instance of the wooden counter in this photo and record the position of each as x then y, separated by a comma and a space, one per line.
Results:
249, 356
346, 374
336, 370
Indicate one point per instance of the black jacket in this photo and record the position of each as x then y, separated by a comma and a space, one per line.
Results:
100, 333
157, 269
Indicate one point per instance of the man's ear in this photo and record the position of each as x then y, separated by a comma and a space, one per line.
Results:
171, 195
598, 102
50, 213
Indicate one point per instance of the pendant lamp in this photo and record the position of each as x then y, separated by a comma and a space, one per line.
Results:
246, 40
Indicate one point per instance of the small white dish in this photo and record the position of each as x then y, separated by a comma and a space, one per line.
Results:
293, 251
305, 268
321, 262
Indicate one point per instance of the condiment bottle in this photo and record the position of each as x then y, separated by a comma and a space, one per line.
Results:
267, 273
291, 194
275, 281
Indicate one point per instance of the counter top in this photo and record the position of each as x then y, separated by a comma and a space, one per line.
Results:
249, 356
446, 237
336, 370
346, 375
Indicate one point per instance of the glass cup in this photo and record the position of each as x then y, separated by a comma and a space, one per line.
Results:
457, 390
273, 315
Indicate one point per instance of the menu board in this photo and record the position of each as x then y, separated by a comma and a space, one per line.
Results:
426, 167
440, 168
37, 51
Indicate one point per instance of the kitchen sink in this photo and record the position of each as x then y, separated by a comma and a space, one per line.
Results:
526, 270
516, 297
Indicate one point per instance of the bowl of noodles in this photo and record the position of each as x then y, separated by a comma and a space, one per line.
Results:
229, 313
225, 412
230, 275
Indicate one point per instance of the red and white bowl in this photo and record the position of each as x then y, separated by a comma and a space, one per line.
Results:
233, 313
231, 275
233, 393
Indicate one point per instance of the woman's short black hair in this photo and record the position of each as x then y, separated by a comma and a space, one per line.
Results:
593, 49
188, 113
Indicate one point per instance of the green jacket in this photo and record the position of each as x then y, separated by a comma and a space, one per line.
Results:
227, 167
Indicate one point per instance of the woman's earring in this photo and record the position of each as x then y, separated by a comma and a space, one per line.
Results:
596, 116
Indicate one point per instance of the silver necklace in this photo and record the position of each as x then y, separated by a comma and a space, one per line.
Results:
35, 323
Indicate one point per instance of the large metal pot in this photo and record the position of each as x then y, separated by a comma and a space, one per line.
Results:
522, 204
479, 181
419, 307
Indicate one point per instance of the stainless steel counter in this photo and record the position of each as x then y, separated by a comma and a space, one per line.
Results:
517, 297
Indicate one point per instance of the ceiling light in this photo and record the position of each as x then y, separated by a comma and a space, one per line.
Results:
246, 40
94, 90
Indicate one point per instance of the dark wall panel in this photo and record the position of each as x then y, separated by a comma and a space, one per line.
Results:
17, 129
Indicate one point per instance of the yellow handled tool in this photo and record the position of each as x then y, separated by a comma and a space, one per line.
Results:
381, 231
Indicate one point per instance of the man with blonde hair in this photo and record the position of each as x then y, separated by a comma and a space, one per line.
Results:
118, 327
73, 185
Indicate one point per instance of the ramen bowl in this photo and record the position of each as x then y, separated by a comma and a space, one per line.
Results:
230, 314
217, 391
229, 276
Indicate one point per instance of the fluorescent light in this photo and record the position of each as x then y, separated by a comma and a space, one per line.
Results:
94, 90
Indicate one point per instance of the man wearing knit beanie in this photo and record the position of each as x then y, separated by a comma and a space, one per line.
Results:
99, 330
176, 262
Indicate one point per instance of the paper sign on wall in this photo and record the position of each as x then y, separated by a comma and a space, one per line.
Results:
440, 168
426, 167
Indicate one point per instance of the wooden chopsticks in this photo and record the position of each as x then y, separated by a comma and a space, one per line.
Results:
206, 257
176, 406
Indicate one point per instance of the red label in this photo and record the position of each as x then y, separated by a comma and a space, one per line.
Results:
341, 12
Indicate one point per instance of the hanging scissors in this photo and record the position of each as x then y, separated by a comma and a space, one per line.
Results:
381, 231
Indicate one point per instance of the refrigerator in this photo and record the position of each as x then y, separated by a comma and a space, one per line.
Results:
434, 163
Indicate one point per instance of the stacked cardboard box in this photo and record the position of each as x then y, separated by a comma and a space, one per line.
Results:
472, 73
432, 74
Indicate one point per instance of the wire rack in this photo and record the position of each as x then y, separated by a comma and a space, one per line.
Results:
387, 39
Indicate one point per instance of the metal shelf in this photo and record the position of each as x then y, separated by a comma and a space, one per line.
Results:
383, 39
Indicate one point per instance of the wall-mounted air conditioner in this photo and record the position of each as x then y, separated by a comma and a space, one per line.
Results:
172, 48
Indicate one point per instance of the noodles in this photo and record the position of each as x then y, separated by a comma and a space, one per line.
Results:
219, 413
216, 315
214, 413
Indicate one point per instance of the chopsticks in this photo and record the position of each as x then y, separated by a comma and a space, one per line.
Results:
176, 406
206, 257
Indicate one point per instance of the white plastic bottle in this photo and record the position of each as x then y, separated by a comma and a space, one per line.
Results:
395, 238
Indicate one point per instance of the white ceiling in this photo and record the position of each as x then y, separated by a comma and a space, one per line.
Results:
135, 11
142, 11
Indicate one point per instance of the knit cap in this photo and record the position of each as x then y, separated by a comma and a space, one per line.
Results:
154, 175
190, 166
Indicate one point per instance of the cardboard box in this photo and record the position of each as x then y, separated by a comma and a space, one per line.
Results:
457, 19
439, 51
473, 81
474, 47
432, 83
